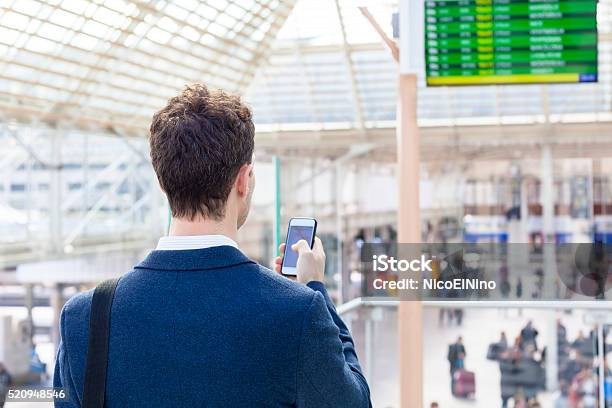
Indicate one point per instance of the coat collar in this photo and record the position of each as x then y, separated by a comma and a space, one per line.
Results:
194, 259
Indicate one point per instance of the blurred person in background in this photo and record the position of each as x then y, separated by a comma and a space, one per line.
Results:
503, 341
519, 288
519, 400
580, 341
5, 383
562, 400
562, 342
456, 356
499, 348
517, 349
529, 336
459, 316
584, 388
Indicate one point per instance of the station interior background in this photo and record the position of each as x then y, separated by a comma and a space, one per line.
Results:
80, 79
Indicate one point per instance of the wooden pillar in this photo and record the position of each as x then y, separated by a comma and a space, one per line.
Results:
410, 314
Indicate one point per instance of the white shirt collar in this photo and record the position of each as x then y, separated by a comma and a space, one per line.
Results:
184, 242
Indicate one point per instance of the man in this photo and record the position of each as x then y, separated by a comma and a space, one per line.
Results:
529, 336
197, 323
455, 356
561, 335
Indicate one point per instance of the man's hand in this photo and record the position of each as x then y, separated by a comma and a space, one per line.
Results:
310, 264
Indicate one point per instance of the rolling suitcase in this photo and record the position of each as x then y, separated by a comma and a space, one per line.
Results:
465, 383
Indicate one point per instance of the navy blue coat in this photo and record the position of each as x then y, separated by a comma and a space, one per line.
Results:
211, 328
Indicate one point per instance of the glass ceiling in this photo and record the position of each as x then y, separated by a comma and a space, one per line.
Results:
112, 63
328, 69
117, 61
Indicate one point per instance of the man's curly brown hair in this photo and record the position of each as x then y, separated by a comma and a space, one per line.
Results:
199, 141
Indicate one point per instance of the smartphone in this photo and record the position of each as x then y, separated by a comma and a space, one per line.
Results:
299, 228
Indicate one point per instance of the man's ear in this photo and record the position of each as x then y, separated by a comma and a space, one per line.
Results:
242, 181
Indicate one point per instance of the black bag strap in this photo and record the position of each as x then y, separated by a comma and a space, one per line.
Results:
94, 390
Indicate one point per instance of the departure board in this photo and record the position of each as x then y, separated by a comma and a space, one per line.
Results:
475, 42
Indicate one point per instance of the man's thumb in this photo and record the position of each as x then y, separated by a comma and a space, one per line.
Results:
301, 246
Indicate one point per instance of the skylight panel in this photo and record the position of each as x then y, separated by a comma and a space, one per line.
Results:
117, 5
108, 17
236, 12
261, 31
76, 6
20, 72
246, 4
27, 7
196, 20
40, 45
208, 39
189, 4
95, 29
8, 36
190, 33
146, 45
141, 29
130, 41
207, 12
167, 24
226, 20
218, 4
52, 32
15, 20
176, 12
217, 29
63, 18
84, 41
265, 12
159, 36
243, 53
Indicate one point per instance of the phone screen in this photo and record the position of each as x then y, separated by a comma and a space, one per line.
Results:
296, 233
